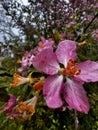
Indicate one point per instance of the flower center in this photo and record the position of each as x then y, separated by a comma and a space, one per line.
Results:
71, 69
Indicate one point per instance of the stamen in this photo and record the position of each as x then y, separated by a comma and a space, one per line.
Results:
38, 86
42, 45
71, 69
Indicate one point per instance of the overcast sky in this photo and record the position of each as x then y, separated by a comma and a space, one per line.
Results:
25, 2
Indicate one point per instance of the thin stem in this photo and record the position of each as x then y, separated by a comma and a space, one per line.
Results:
78, 38
90, 23
76, 120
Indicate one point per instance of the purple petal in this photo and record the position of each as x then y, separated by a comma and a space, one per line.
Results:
24, 62
14, 114
11, 103
25, 59
46, 62
75, 96
89, 71
52, 91
43, 44
65, 51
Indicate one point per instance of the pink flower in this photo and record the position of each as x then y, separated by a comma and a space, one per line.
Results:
72, 23
95, 34
11, 103
10, 108
62, 36
27, 59
29, 56
43, 44
96, 6
66, 77
89, 17
84, 2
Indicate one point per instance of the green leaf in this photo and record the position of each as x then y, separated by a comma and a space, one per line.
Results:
2, 71
21, 127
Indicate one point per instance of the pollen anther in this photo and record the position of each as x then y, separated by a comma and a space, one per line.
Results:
71, 69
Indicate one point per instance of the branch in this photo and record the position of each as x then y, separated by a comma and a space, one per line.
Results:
79, 37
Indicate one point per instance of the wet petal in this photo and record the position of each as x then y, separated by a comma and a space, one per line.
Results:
46, 62
89, 71
75, 96
66, 50
52, 91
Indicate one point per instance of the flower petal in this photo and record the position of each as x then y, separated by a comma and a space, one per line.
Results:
43, 44
52, 91
11, 103
65, 51
89, 71
75, 96
46, 62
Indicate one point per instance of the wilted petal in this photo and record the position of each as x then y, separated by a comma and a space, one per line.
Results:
46, 62
27, 108
19, 80
31, 105
13, 114
66, 50
11, 103
75, 96
89, 71
52, 91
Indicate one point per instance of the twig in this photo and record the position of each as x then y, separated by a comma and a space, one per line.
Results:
78, 38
